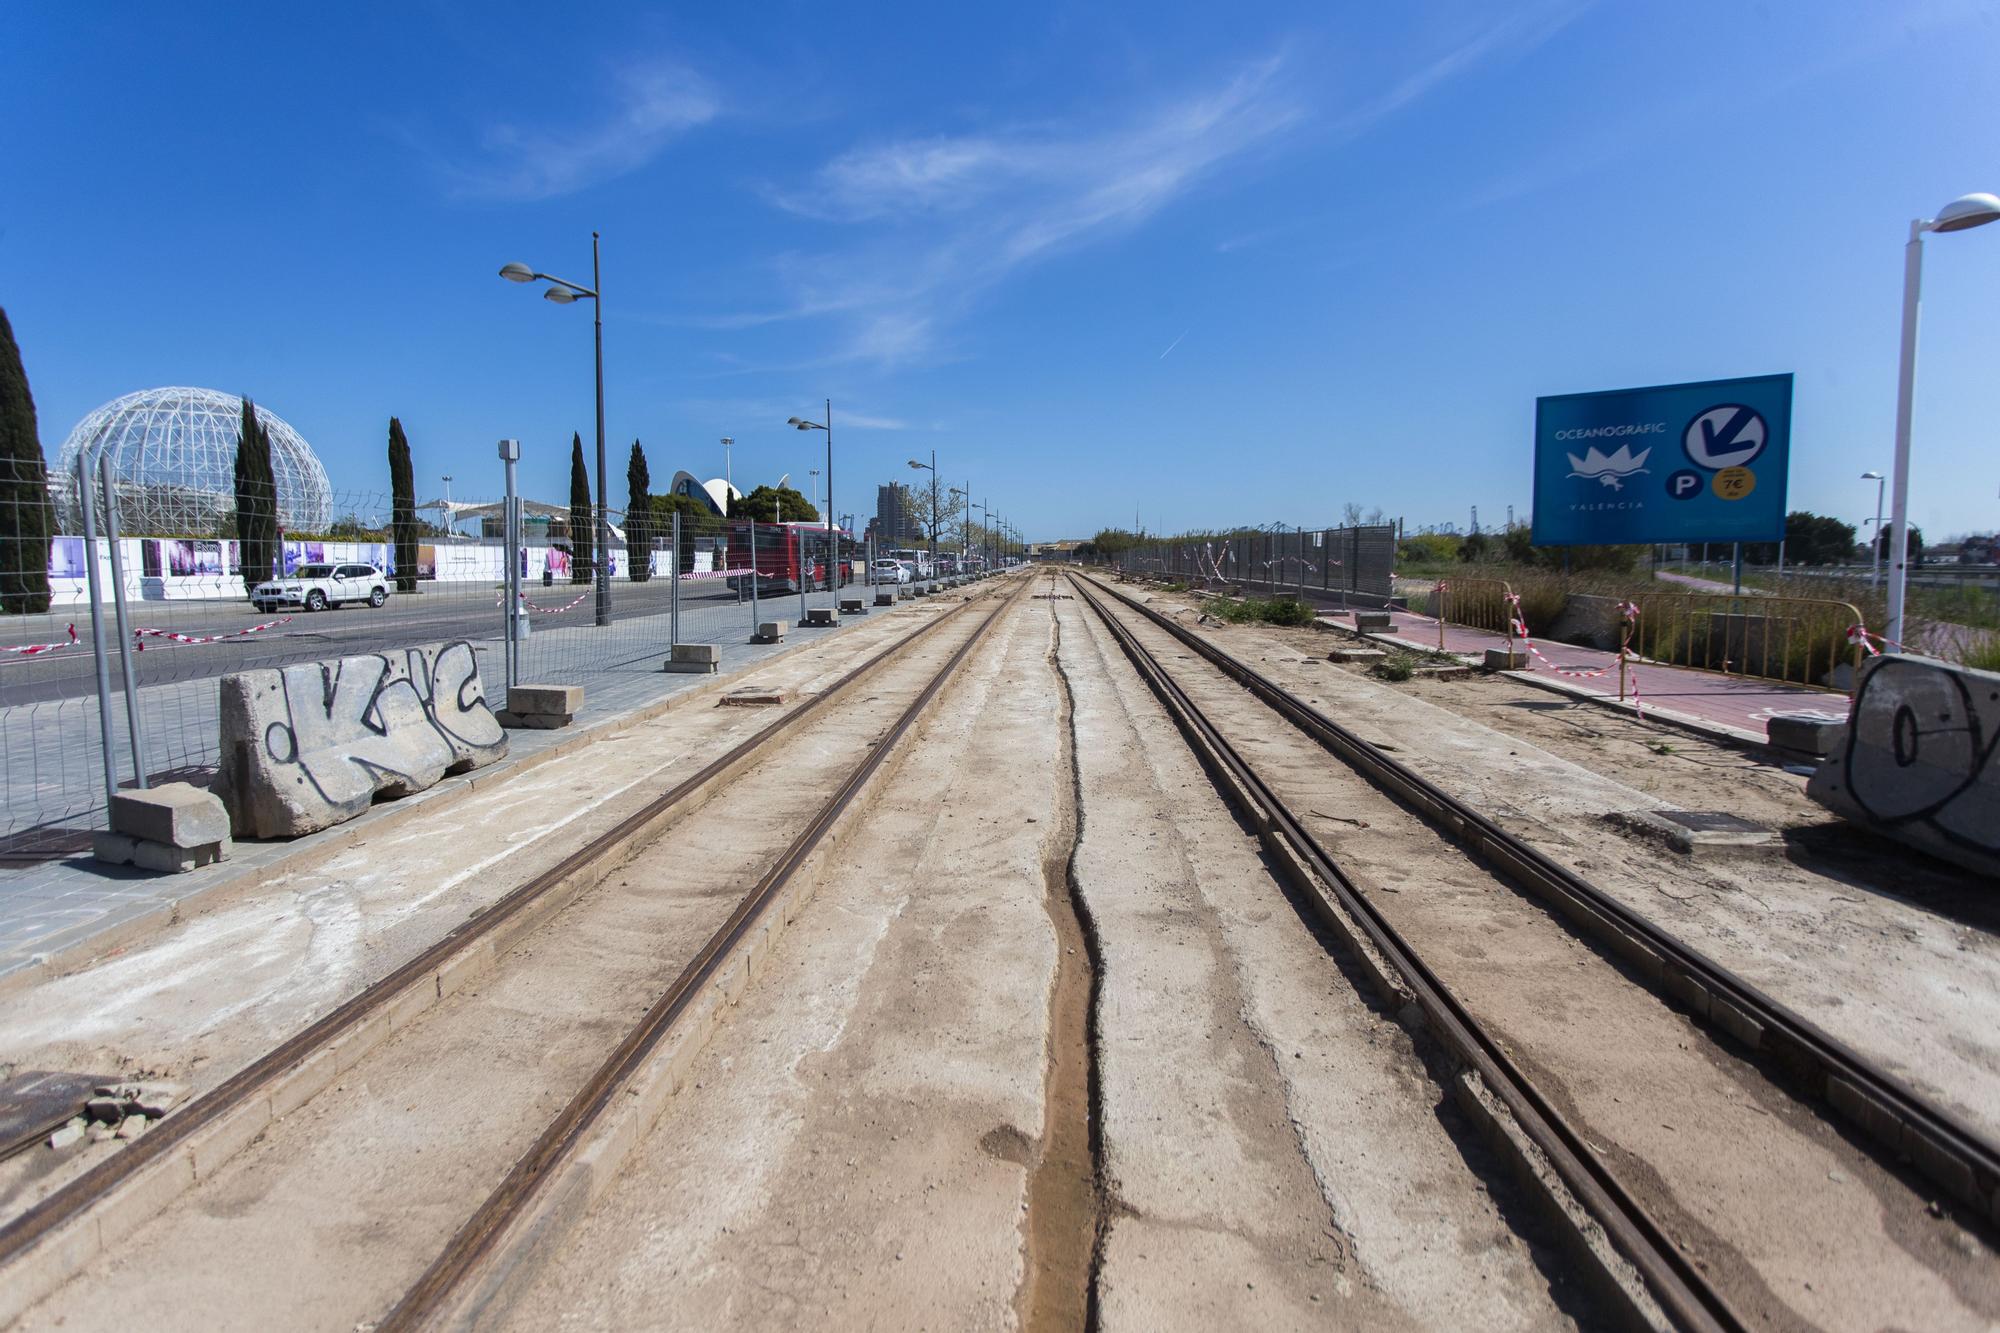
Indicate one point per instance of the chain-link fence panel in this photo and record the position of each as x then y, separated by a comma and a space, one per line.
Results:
1338, 566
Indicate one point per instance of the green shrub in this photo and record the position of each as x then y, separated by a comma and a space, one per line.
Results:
1396, 666
1263, 610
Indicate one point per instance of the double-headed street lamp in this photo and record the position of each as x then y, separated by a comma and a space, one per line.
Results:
1961, 214
1875, 533
563, 292
800, 423
931, 467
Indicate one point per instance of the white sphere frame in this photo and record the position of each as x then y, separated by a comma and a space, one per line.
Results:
173, 458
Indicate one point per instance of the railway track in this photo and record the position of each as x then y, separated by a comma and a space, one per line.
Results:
1641, 1260
95, 1213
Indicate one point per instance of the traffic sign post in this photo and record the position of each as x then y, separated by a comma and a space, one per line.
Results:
1673, 463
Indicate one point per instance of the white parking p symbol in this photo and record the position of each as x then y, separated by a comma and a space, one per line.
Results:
1685, 484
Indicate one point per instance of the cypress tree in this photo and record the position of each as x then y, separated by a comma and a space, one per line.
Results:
256, 498
582, 528
27, 519
639, 517
402, 507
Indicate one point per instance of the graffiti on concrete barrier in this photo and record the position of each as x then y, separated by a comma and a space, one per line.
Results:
313, 744
1919, 759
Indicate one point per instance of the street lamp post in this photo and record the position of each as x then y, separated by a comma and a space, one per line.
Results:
1875, 533
728, 476
1961, 214
563, 292
450, 527
931, 467
800, 423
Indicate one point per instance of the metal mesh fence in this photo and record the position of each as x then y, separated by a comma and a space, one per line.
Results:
1323, 565
191, 615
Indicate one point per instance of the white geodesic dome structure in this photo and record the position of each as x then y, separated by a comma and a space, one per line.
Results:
173, 461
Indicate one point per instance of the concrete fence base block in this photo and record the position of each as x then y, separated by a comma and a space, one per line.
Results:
1918, 762
1506, 659
545, 698
822, 617
851, 606
514, 721
885, 598
540, 707
177, 814
120, 849
771, 631
308, 746
1373, 622
1806, 733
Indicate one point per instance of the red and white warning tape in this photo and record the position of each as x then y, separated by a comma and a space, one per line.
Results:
575, 601
36, 649
1630, 613
1868, 638
170, 636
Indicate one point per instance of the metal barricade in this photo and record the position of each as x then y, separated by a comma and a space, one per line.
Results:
1796, 640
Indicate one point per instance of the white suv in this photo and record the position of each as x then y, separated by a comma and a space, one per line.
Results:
891, 571
317, 587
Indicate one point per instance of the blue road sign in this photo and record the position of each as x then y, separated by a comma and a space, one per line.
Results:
1699, 462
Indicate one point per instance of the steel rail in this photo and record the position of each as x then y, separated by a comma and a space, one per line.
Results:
1939, 1143
88, 1190
1679, 1287
564, 1134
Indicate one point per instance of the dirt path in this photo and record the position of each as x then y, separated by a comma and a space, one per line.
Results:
1896, 955
856, 1146
1795, 1225
336, 1208
1275, 1153
202, 998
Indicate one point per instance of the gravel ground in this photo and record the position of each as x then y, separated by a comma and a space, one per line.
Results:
855, 1145
1799, 1228
1275, 1153
339, 1206
1894, 953
199, 1000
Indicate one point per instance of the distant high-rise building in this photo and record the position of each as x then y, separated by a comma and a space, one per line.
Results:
892, 515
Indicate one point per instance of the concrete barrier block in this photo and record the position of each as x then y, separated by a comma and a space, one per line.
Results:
851, 606
1807, 733
544, 698
705, 654
771, 631
822, 617
513, 721
1372, 622
307, 746
1912, 765
886, 597
1506, 659
177, 814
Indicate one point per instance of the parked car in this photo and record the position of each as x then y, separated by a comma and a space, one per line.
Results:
891, 571
318, 587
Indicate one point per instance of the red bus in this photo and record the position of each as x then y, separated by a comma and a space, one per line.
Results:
781, 548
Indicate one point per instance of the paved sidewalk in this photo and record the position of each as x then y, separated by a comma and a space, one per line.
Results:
50, 905
1742, 704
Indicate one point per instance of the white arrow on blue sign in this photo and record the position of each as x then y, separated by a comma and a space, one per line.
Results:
1726, 436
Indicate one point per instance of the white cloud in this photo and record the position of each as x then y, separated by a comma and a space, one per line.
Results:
951, 216
653, 105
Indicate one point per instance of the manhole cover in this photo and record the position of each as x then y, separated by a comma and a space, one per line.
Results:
1710, 821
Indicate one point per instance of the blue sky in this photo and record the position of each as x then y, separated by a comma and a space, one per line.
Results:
1207, 265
